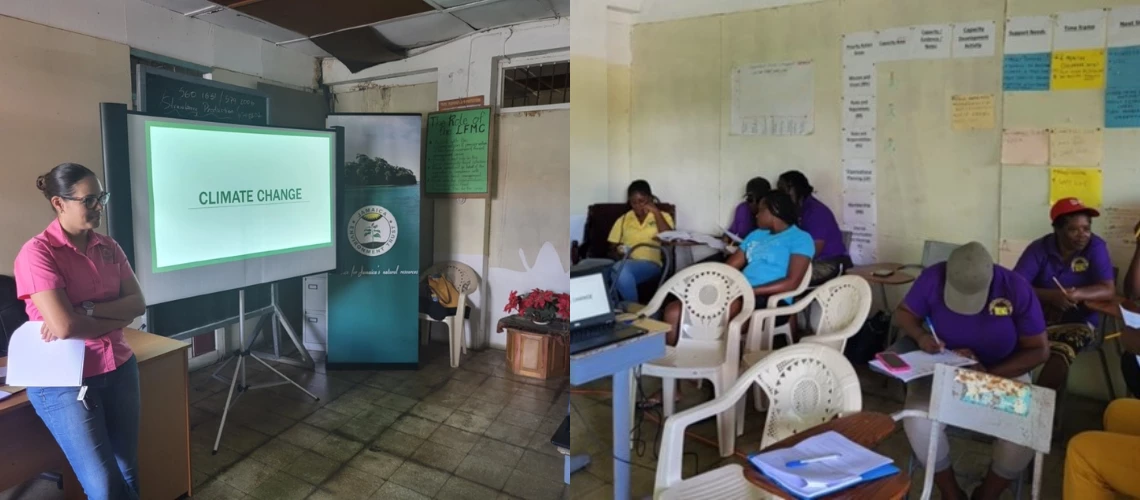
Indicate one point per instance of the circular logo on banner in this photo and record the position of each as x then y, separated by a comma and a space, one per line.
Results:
372, 230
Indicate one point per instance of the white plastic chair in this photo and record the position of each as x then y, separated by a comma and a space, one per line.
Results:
466, 282
775, 301
844, 302
708, 346
809, 385
1029, 424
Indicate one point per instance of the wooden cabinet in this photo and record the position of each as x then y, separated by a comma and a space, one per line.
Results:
538, 355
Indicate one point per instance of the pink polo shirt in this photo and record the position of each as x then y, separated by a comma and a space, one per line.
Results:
49, 261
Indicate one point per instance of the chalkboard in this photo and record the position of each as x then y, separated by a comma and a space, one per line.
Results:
169, 94
457, 159
164, 93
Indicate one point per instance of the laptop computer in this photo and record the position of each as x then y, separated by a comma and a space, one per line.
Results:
592, 320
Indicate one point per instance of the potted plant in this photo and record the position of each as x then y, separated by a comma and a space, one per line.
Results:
539, 306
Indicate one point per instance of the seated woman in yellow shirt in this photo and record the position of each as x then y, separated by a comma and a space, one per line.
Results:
640, 225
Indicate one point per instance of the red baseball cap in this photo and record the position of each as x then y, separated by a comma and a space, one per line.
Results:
1066, 206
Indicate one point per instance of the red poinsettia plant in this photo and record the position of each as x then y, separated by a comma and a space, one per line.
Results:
539, 305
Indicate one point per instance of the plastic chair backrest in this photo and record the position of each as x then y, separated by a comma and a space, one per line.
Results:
845, 303
934, 252
706, 291
807, 385
461, 275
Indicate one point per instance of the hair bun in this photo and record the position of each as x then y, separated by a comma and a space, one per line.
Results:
41, 182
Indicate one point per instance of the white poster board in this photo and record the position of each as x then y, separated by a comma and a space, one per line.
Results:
773, 99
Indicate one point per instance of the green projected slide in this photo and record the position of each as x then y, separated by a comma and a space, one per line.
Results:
220, 193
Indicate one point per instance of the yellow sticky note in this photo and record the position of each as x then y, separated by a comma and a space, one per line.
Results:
1077, 70
1080, 182
972, 111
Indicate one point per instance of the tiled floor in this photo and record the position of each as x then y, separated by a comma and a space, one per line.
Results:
476, 432
591, 429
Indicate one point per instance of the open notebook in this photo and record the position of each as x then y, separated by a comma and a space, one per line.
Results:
850, 465
922, 364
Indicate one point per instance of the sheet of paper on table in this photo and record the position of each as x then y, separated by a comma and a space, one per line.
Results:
1131, 320
35, 363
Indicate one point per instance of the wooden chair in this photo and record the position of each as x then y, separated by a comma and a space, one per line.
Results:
595, 245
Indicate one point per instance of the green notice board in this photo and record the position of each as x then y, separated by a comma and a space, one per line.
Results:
457, 160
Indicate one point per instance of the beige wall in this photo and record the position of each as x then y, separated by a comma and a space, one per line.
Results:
529, 239
51, 85
932, 183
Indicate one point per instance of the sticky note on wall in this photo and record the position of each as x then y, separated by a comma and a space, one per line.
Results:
1077, 70
1083, 183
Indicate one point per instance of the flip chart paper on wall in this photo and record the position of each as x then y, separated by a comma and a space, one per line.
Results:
1124, 26
858, 80
1026, 72
1029, 35
1117, 226
931, 41
1009, 251
1076, 147
859, 49
858, 143
972, 111
863, 246
859, 208
1079, 30
858, 174
894, 44
773, 99
1081, 182
859, 111
1078, 69
974, 39
1025, 147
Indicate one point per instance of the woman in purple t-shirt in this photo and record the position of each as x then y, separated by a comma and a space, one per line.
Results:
831, 255
1074, 258
744, 218
981, 311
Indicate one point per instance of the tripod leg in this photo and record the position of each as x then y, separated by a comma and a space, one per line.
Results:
280, 317
282, 375
229, 400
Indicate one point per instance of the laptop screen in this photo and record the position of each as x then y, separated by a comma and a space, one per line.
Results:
588, 297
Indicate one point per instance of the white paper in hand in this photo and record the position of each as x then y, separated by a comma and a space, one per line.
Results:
35, 363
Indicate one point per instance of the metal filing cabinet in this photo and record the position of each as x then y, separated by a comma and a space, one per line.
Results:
315, 302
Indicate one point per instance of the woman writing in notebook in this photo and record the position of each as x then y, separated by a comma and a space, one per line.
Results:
774, 258
81, 286
1068, 267
985, 312
639, 226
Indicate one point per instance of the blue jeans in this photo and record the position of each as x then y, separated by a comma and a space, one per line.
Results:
101, 444
630, 273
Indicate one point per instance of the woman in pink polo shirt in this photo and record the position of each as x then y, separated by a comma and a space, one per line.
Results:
79, 283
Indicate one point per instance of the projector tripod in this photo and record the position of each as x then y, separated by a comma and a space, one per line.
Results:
246, 352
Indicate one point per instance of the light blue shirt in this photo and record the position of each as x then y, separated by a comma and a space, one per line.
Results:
769, 254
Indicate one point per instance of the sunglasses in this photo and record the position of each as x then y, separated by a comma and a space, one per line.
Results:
92, 200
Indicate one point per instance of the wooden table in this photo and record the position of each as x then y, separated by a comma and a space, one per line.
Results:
865, 428
27, 448
1111, 308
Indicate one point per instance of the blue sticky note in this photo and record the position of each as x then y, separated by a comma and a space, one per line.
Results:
1123, 67
1122, 107
1026, 72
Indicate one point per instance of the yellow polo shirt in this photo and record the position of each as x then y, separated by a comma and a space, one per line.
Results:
630, 232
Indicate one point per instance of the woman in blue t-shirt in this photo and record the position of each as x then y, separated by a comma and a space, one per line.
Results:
774, 258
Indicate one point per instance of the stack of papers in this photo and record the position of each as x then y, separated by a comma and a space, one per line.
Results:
839, 464
922, 364
35, 363
701, 238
